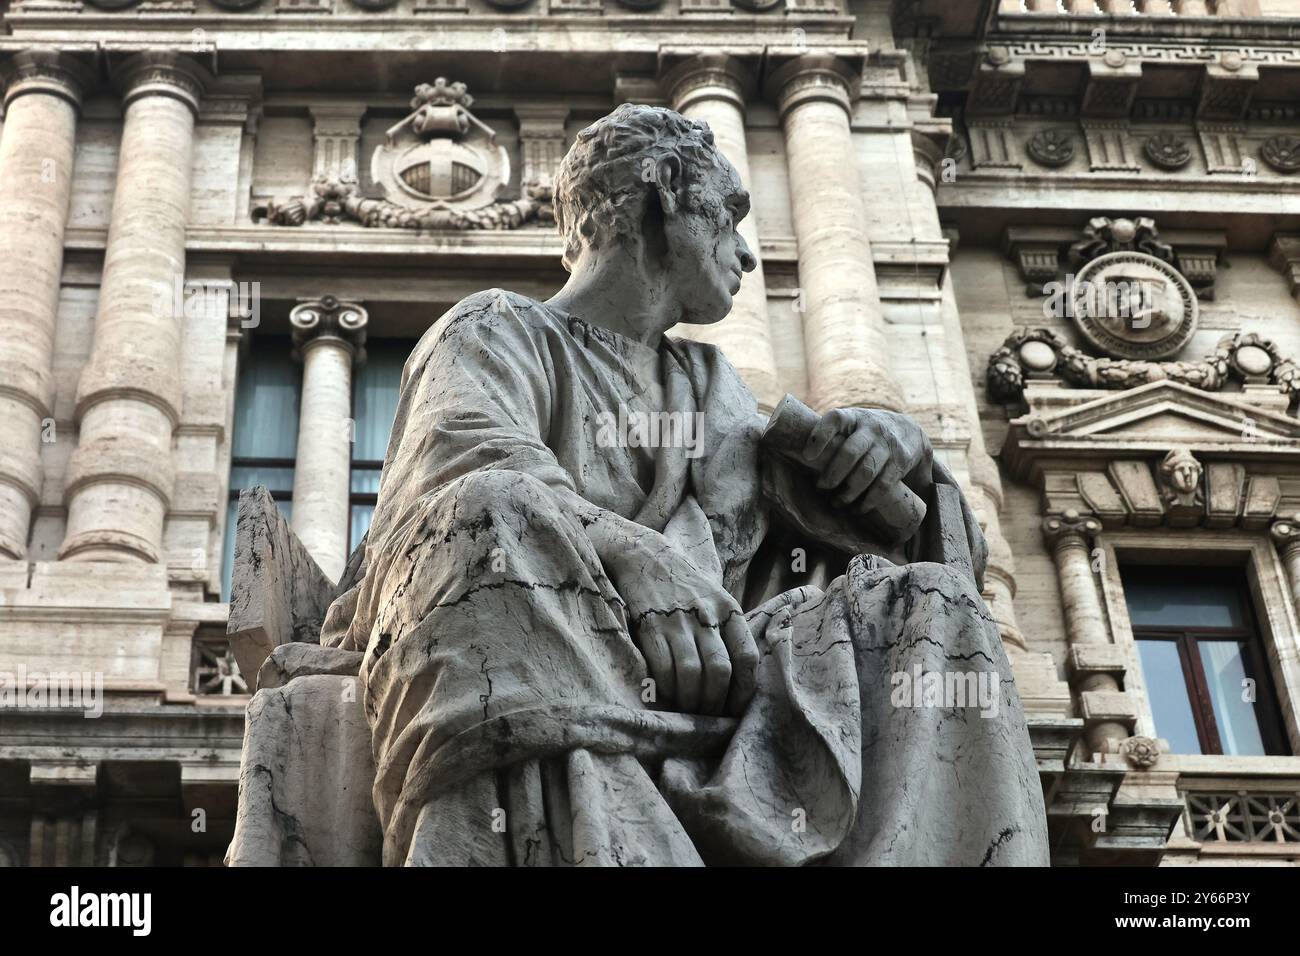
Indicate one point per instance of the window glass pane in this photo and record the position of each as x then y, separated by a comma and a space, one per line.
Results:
1167, 689
361, 515
279, 481
378, 383
1225, 672
266, 401
365, 481
1190, 599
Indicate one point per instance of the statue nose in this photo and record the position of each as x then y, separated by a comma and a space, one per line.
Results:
748, 261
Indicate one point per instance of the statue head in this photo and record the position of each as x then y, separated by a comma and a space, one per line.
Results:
651, 182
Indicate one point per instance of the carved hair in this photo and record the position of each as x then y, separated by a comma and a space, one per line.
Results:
602, 187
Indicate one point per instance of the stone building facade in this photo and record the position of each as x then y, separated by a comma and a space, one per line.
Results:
1063, 236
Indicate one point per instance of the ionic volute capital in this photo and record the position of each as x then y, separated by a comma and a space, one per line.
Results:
1286, 533
1070, 528
329, 320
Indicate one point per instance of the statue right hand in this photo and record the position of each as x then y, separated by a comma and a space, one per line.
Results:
691, 632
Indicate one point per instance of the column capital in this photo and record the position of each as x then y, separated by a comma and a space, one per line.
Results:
706, 76
161, 73
1286, 533
329, 319
1070, 527
814, 77
46, 71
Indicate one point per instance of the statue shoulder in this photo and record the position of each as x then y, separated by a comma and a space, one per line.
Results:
490, 313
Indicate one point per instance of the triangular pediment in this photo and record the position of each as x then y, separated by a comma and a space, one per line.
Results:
1151, 418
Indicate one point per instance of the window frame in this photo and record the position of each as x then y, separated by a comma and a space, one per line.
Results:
1270, 600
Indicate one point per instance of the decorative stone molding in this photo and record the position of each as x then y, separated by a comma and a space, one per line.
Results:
439, 168
336, 131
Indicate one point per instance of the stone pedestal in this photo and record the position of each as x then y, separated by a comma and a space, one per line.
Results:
42, 97
329, 336
844, 331
120, 478
712, 89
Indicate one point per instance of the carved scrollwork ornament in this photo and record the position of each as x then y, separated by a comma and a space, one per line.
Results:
1167, 151
1051, 147
1282, 152
1286, 533
329, 317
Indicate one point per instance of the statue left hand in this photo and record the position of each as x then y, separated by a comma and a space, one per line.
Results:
862, 454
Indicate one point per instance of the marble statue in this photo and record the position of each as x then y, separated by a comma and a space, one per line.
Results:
611, 616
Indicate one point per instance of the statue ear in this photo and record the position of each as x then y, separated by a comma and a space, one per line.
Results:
669, 178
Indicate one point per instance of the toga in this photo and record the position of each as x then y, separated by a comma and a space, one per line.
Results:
511, 715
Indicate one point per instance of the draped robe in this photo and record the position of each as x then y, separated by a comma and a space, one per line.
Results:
511, 714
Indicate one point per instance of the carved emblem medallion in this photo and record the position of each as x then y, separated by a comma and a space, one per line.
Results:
441, 155
1133, 305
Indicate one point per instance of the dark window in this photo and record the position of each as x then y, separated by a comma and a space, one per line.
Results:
265, 441
376, 386
1203, 661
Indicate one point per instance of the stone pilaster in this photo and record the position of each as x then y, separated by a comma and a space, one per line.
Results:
1107, 716
541, 142
329, 336
120, 478
713, 88
844, 331
43, 93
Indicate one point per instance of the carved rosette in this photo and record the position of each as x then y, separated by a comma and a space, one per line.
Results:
1142, 753
1052, 148
1282, 152
329, 318
1167, 151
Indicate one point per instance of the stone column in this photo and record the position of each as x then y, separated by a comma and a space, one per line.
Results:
329, 336
712, 88
43, 93
844, 329
119, 479
1286, 534
1070, 537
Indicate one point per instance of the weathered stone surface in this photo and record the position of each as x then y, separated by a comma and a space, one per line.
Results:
304, 781
278, 593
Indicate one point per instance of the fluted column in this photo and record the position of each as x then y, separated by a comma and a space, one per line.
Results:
119, 480
43, 93
329, 336
712, 88
1070, 537
844, 329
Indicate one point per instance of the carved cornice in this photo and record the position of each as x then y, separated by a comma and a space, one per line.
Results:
161, 74
48, 72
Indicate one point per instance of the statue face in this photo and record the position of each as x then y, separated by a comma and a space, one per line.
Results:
707, 256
